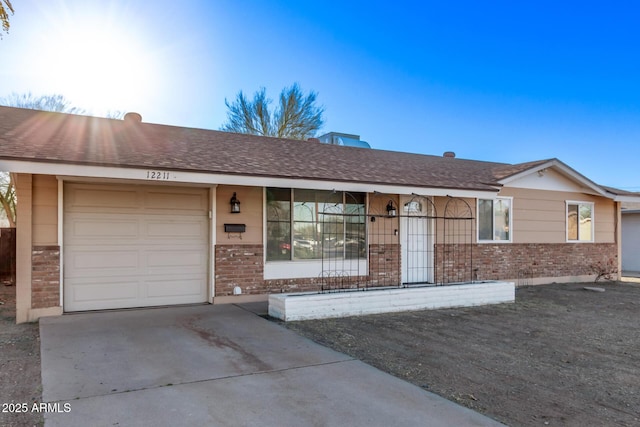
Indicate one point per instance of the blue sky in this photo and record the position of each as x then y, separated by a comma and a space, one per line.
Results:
497, 81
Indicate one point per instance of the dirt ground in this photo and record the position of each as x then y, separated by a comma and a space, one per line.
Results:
20, 380
560, 355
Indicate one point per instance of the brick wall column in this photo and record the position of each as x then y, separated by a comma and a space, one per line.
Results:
45, 276
239, 265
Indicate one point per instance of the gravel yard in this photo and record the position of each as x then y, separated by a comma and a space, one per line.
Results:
20, 380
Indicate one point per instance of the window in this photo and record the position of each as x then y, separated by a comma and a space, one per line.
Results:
278, 223
310, 224
579, 222
494, 220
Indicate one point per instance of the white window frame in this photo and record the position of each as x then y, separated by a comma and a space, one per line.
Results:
566, 220
302, 268
303, 261
493, 224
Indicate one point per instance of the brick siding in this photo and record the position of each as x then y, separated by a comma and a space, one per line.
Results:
243, 265
239, 265
384, 264
45, 277
528, 260
455, 262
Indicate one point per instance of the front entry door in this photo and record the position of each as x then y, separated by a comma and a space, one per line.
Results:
417, 243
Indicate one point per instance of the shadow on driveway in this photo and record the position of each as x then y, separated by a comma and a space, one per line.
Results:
218, 365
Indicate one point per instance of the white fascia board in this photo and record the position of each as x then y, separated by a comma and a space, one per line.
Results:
625, 198
507, 180
564, 169
72, 172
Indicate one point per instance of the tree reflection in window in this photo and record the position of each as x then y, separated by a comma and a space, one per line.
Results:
312, 224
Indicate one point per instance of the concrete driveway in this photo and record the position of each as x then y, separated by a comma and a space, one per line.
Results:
219, 365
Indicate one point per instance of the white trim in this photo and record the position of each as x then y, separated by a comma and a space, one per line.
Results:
300, 269
292, 222
550, 179
626, 198
403, 224
264, 228
566, 220
71, 171
61, 237
565, 170
493, 225
303, 268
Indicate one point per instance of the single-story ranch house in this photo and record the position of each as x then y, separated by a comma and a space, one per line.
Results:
121, 213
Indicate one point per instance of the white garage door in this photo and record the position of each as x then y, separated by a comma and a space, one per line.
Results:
631, 242
134, 246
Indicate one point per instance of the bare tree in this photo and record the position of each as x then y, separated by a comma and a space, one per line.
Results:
57, 103
5, 5
114, 114
297, 116
8, 197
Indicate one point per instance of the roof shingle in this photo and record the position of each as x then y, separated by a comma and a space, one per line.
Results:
72, 139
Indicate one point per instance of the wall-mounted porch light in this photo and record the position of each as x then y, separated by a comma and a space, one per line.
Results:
235, 204
391, 209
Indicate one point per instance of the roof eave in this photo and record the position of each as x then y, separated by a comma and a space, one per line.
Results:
76, 170
625, 198
565, 170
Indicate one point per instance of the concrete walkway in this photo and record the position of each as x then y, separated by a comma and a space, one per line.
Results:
218, 365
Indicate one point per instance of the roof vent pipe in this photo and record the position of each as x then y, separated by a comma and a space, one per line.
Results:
449, 154
132, 118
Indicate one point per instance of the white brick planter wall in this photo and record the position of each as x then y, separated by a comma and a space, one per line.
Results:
355, 303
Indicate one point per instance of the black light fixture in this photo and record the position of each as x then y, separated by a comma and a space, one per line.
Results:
235, 204
391, 209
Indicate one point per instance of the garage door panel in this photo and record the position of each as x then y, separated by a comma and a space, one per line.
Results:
104, 291
104, 227
174, 228
189, 288
88, 197
183, 201
129, 246
158, 260
90, 262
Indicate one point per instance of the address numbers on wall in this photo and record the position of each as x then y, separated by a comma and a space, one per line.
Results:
160, 175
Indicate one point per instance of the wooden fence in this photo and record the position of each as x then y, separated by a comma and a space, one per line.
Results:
8, 255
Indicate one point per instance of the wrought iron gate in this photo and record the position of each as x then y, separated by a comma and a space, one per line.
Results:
404, 245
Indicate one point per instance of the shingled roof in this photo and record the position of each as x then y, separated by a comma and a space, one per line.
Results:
28, 135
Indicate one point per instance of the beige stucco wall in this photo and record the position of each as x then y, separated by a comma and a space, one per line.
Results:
540, 216
382, 230
448, 207
36, 225
250, 214
23, 246
45, 210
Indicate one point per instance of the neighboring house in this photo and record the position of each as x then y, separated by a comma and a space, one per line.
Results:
116, 214
631, 237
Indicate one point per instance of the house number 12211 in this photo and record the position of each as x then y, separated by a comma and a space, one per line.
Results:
158, 175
